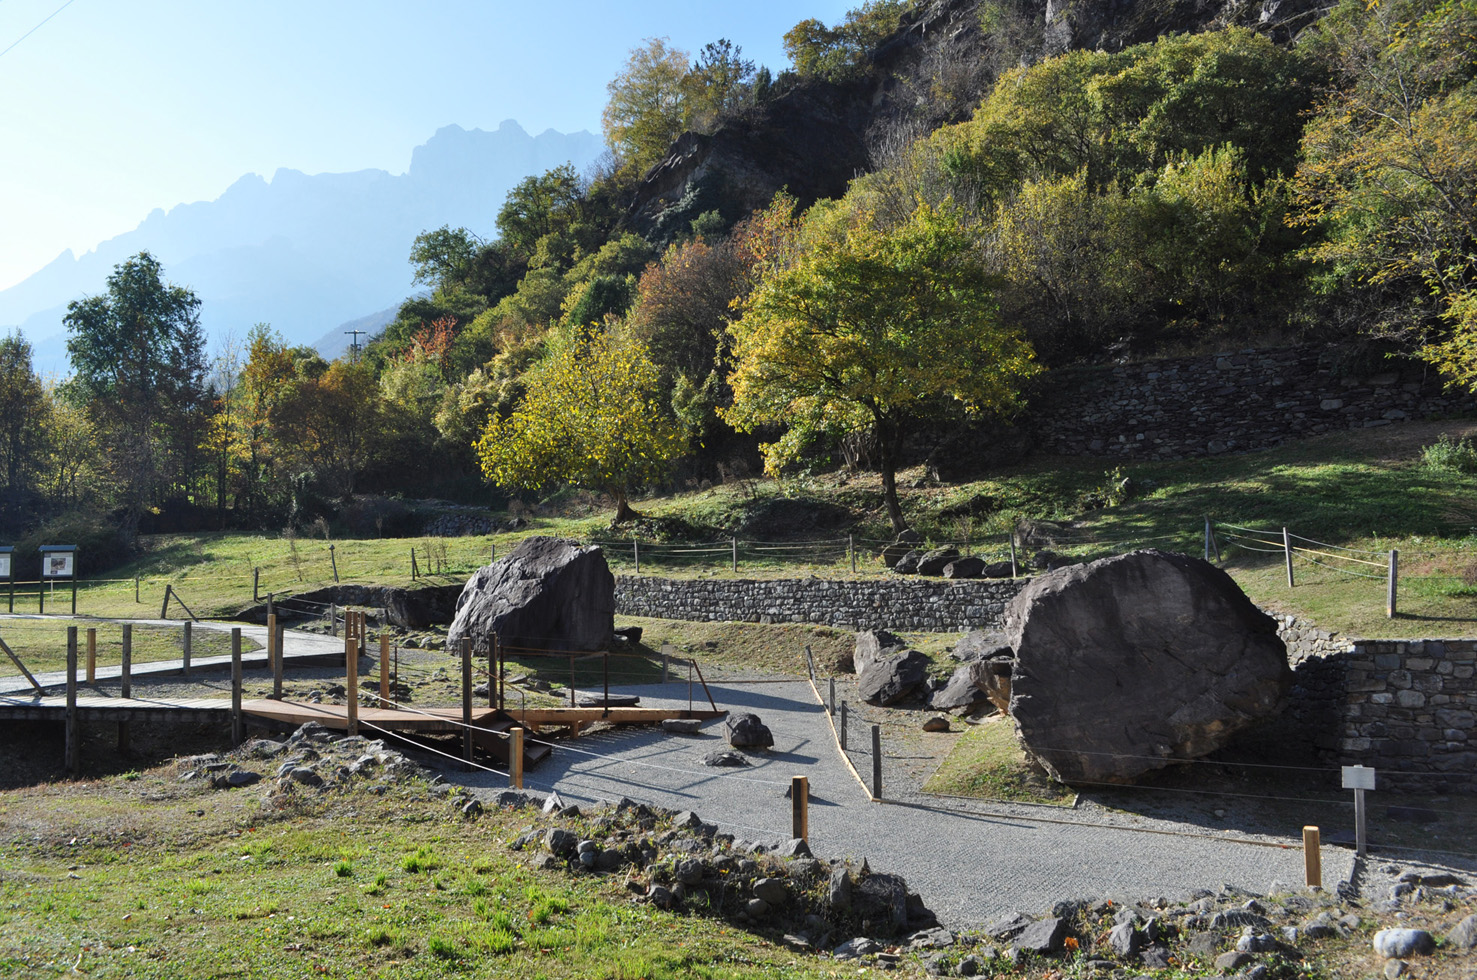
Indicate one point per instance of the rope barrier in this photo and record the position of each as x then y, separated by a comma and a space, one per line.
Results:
1339, 547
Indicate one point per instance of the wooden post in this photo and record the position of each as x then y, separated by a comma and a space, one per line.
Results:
185, 647
1207, 537
74, 737
135, 593
351, 681
494, 680
876, 762
851, 551
843, 725
1287, 551
256, 581
832, 705
666, 662
515, 757
277, 667
636, 554
334, 562
1394, 578
384, 670
333, 619
272, 652
735, 554
415, 571
74, 593
1312, 858
92, 655
126, 683
800, 807
467, 701
238, 721
164, 609
571, 680
1014, 569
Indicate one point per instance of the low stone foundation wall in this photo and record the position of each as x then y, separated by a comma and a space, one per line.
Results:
900, 604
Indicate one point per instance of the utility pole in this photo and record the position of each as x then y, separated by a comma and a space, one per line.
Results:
354, 344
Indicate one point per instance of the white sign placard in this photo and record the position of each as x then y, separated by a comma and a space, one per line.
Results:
4, 566
57, 565
1358, 777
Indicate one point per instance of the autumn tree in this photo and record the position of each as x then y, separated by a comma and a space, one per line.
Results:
647, 108
1389, 172
839, 53
330, 424
869, 331
592, 418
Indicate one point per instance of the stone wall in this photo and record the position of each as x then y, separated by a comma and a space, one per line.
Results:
901, 604
1197, 406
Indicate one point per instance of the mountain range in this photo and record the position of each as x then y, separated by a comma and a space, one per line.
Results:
311, 254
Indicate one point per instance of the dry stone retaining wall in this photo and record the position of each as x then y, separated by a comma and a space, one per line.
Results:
1234, 402
901, 604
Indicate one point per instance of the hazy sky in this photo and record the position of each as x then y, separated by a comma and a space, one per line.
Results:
115, 107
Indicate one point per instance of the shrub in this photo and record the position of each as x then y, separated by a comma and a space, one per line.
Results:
1450, 455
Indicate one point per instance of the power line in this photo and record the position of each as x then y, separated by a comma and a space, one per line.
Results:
37, 27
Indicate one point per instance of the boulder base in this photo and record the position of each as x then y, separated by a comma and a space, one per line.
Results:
1135, 662
547, 593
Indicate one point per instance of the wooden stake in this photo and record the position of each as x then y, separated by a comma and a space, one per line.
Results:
238, 720
185, 647
351, 681
876, 762
126, 686
91, 655
800, 807
467, 701
272, 651
1394, 578
164, 609
1287, 551
74, 738
384, 670
844, 712
515, 757
1312, 858
277, 667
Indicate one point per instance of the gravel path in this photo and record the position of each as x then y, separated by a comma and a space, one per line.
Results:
971, 862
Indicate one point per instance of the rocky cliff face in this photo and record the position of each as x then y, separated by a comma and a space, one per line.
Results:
934, 69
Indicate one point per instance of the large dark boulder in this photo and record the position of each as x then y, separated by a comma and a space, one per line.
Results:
1136, 662
886, 670
933, 562
965, 688
546, 594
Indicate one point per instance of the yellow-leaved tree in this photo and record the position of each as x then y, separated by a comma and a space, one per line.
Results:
592, 418
868, 330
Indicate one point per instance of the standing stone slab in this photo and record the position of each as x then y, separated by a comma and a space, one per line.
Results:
547, 593
1135, 662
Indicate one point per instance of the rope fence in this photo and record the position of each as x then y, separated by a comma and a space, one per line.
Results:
1295, 547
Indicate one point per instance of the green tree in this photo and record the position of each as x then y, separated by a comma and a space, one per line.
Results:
869, 331
648, 106
541, 205
138, 357
444, 257
1389, 172
719, 86
840, 53
23, 409
592, 418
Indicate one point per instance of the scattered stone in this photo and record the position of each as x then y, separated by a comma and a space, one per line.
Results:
855, 949
964, 689
795, 847
682, 726
1400, 944
1125, 940
934, 562
560, 842
1155, 957
1043, 936
724, 758
938, 723
886, 675
970, 567
1233, 961
747, 731
1463, 935
305, 776
1394, 969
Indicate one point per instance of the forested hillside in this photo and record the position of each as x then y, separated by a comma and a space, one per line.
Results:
930, 207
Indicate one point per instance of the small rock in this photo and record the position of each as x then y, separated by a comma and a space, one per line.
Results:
774, 891
724, 758
1125, 940
745, 730
855, 949
305, 776
1395, 968
1463, 935
1044, 936
1155, 957
1399, 944
756, 907
682, 726
1233, 961
938, 723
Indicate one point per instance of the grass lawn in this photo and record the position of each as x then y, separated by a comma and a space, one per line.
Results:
987, 762
41, 644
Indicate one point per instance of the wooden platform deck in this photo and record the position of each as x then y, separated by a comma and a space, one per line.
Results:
53, 707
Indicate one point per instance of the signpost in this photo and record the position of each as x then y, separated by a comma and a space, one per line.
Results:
6, 572
1359, 779
58, 561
